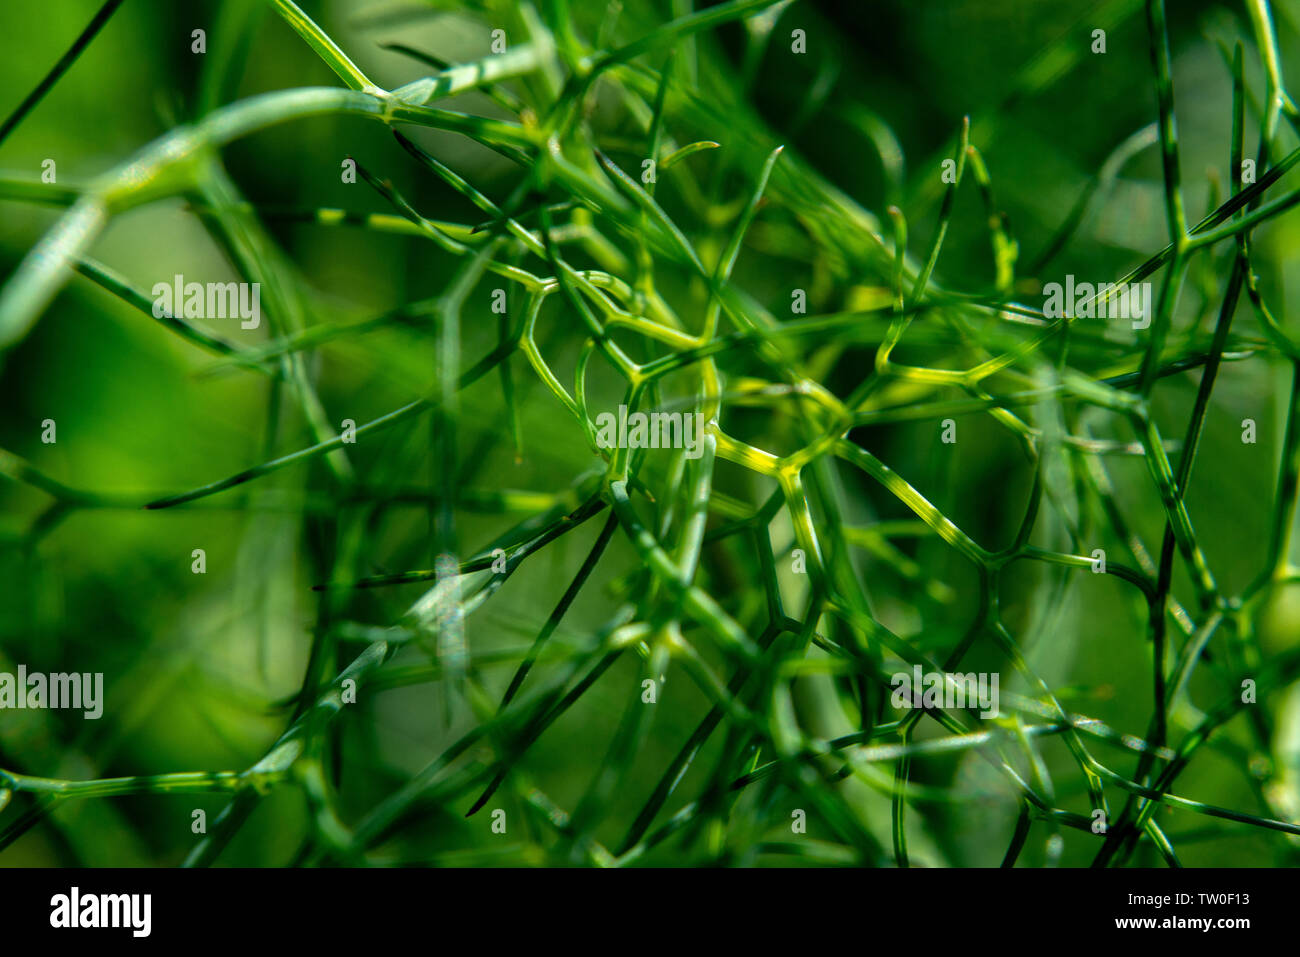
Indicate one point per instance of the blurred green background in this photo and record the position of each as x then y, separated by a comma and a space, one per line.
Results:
197, 667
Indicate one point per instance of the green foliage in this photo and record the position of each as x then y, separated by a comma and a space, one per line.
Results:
461, 603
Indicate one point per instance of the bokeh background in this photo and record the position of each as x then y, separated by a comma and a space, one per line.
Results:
198, 667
